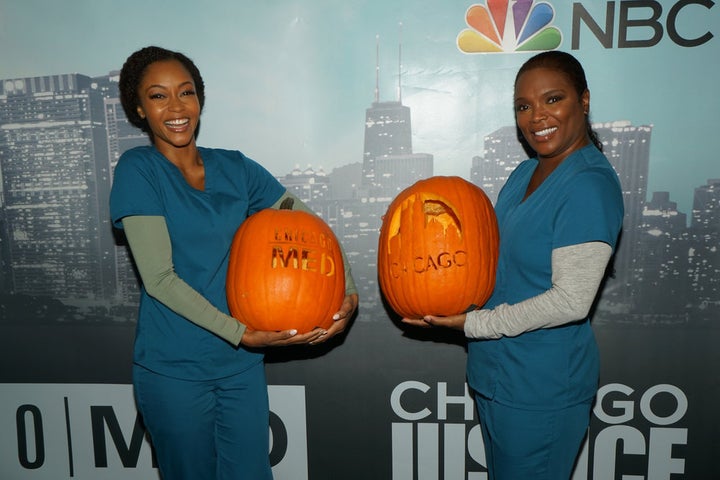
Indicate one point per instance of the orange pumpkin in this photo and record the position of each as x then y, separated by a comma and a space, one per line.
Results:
438, 248
285, 272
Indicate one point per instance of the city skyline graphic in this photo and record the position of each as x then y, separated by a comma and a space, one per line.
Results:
61, 135
289, 83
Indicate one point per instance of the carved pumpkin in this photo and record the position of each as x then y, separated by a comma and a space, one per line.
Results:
438, 248
285, 271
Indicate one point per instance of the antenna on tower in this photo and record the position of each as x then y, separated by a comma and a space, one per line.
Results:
400, 64
377, 68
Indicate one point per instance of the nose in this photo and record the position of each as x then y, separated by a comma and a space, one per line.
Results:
538, 113
175, 103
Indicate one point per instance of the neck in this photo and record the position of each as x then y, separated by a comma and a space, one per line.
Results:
182, 157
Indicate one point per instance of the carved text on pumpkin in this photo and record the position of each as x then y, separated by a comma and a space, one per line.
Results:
286, 235
425, 263
309, 260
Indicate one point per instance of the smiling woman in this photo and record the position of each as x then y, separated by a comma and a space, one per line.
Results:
168, 100
533, 360
198, 372
567, 200
551, 116
168, 103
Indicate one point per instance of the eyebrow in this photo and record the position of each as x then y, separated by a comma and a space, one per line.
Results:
550, 91
157, 85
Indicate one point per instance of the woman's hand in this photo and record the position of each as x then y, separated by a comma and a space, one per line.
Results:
340, 319
259, 338
456, 322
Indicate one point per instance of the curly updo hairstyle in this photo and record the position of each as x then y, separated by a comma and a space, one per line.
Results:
132, 74
569, 66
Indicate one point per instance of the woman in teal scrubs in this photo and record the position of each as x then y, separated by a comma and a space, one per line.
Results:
198, 373
532, 357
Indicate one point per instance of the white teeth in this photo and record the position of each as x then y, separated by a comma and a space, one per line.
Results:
178, 122
547, 131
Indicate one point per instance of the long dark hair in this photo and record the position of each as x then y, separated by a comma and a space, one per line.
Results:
573, 70
132, 74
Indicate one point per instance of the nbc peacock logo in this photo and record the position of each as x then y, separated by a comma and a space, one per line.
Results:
509, 26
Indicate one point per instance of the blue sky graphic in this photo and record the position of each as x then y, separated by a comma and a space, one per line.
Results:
288, 82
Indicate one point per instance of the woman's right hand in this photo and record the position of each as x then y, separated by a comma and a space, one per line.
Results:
456, 322
260, 338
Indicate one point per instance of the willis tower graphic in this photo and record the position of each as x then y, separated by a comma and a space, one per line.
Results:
359, 194
389, 164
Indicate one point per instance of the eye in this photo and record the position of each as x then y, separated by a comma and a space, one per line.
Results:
188, 93
554, 98
521, 107
156, 96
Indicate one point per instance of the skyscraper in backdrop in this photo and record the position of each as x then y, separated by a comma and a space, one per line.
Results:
55, 182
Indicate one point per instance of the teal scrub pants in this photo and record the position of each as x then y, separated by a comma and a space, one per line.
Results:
529, 444
207, 430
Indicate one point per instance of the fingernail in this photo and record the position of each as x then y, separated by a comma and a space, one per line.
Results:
336, 317
293, 333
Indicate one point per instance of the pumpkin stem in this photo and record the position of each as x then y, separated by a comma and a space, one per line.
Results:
287, 204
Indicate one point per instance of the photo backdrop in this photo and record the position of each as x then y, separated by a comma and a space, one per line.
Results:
347, 103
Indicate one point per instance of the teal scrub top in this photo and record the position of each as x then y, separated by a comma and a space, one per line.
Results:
581, 201
201, 225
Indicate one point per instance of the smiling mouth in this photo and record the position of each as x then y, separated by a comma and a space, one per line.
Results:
545, 132
177, 123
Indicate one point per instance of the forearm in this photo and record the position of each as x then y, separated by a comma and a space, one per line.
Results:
151, 247
578, 271
298, 204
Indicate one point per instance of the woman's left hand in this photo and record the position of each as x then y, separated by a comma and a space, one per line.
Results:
340, 319
456, 322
